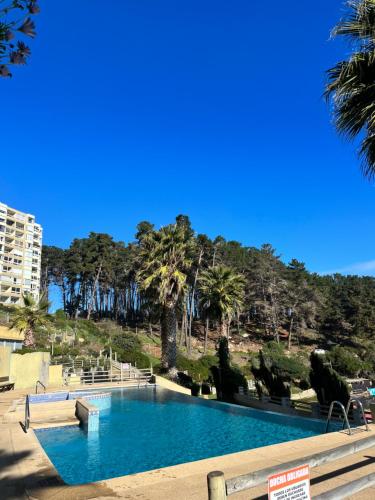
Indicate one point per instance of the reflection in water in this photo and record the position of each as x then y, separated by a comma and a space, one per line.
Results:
93, 450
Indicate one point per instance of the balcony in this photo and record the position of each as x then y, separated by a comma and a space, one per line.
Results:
11, 214
5, 279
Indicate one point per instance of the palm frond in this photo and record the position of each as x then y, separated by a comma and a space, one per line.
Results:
164, 260
351, 83
222, 291
358, 26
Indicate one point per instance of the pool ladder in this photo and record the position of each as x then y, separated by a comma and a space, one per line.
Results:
345, 412
27, 414
38, 382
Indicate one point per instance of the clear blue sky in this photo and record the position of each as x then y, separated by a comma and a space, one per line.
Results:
144, 109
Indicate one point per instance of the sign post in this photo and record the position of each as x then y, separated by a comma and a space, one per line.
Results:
293, 484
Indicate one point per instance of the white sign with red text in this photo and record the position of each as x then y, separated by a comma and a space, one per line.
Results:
293, 484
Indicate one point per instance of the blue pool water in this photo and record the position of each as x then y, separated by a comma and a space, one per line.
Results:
149, 428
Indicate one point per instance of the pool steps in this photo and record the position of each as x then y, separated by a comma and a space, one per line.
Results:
60, 409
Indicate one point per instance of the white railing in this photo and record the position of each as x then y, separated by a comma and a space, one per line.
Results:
128, 372
100, 370
101, 376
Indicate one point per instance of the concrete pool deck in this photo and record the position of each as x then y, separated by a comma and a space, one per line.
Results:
26, 471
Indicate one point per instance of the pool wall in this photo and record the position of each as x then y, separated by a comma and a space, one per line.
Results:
102, 399
88, 415
170, 482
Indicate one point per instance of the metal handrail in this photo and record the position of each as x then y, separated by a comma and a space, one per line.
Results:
27, 414
346, 421
36, 386
359, 403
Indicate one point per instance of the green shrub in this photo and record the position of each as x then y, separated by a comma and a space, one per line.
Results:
195, 389
184, 380
61, 350
223, 353
275, 383
136, 358
368, 356
304, 385
28, 350
326, 382
227, 378
126, 342
275, 371
227, 381
206, 389
345, 361
197, 369
60, 314
289, 367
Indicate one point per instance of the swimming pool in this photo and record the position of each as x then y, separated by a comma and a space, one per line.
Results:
150, 428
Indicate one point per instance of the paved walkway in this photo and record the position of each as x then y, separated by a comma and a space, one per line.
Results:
26, 472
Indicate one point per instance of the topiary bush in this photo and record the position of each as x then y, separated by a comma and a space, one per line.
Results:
275, 371
223, 353
227, 378
206, 389
184, 380
326, 382
276, 384
195, 389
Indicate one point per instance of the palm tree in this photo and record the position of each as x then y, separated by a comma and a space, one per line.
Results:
31, 315
164, 260
351, 83
221, 293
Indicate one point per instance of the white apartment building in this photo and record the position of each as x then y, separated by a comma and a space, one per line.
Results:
20, 255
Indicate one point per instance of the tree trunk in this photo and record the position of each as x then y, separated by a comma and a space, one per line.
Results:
206, 335
64, 298
182, 331
168, 340
224, 328
290, 334
93, 295
191, 312
29, 340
